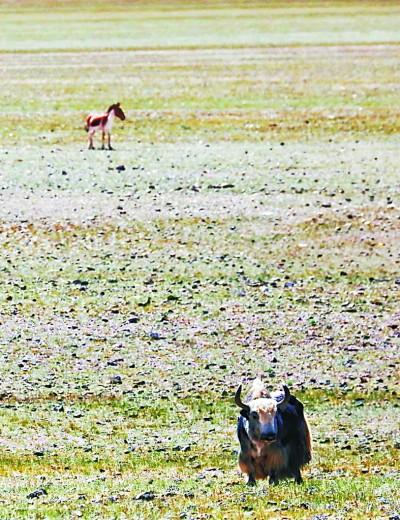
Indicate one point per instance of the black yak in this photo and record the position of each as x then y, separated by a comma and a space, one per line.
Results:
274, 436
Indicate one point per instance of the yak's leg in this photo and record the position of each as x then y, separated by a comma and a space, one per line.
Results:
109, 141
297, 477
247, 467
251, 481
91, 134
273, 481
103, 137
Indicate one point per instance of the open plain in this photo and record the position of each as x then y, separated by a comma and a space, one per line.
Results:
247, 223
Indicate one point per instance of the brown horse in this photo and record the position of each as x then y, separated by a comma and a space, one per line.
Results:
103, 122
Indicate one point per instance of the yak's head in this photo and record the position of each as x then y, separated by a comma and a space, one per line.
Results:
262, 411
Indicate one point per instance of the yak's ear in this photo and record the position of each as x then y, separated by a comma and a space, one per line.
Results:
245, 413
118, 104
282, 397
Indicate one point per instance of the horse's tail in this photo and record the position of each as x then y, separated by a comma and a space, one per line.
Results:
87, 123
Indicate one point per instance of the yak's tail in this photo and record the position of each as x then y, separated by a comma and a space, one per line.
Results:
308, 439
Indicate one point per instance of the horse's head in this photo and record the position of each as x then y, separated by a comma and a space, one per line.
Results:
118, 112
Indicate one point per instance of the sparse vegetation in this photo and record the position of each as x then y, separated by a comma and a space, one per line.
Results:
248, 222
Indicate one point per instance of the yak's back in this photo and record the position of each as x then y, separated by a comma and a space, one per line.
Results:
297, 429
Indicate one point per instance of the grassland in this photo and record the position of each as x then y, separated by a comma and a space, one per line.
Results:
247, 223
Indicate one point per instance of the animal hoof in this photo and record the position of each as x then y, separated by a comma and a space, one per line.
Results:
110, 148
103, 147
251, 483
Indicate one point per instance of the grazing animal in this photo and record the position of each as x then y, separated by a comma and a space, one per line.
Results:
103, 123
275, 440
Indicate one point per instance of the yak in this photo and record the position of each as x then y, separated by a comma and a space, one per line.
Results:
274, 437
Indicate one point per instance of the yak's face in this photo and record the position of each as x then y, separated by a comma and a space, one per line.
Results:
262, 413
262, 420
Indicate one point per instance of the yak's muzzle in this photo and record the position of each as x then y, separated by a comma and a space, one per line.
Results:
268, 437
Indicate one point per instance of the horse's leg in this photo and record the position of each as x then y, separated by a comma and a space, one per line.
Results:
103, 136
91, 134
109, 141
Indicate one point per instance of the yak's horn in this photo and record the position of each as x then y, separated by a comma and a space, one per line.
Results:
239, 401
285, 400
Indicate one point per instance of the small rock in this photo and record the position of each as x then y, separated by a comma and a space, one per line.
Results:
83, 283
171, 493
120, 168
172, 298
145, 303
155, 335
181, 448
116, 380
37, 493
147, 495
